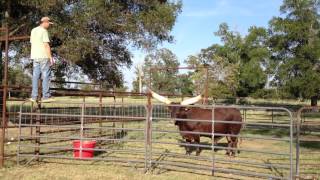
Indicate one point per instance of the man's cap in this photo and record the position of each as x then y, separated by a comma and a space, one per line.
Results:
46, 19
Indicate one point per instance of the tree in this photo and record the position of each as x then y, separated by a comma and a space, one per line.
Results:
254, 56
295, 45
94, 36
185, 85
135, 83
236, 66
16, 76
164, 80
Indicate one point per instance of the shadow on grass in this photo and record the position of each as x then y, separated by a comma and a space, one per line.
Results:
163, 170
193, 148
314, 145
269, 131
160, 170
118, 135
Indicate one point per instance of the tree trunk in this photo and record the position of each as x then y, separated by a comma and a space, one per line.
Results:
314, 100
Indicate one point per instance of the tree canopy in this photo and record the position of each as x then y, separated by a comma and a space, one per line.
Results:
162, 80
295, 47
94, 37
236, 66
287, 53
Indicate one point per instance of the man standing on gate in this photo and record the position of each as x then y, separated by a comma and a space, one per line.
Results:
42, 59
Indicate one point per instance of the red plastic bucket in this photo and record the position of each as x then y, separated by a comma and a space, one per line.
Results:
87, 145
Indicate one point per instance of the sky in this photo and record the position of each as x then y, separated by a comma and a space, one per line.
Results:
199, 19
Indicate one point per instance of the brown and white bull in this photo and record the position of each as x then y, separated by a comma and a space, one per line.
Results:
182, 111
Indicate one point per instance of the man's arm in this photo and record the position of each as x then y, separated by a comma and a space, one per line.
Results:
48, 50
46, 40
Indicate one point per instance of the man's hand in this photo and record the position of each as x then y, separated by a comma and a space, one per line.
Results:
48, 50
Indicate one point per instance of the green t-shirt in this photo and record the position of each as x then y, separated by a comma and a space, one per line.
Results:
39, 36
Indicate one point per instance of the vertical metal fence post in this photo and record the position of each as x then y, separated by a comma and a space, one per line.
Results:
37, 139
272, 118
212, 145
18, 150
100, 114
298, 143
38, 119
81, 128
146, 141
244, 117
5, 89
206, 89
122, 123
148, 134
114, 134
31, 120
291, 145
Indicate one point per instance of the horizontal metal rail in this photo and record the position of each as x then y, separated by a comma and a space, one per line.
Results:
239, 172
84, 138
67, 148
177, 155
115, 159
145, 144
223, 148
219, 134
85, 116
223, 122
77, 127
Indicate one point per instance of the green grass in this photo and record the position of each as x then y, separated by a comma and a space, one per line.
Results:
72, 169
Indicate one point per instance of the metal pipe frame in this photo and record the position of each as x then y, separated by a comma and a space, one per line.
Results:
206, 68
79, 92
5, 89
146, 143
222, 160
223, 170
289, 124
299, 122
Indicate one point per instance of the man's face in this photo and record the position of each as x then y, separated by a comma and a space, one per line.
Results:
46, 24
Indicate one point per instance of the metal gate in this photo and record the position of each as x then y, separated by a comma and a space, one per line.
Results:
266, 148
51, 131
144, 136
308, 142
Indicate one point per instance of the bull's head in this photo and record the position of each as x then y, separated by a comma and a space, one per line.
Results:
176, 110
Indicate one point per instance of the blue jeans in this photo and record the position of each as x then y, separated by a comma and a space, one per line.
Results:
41, 66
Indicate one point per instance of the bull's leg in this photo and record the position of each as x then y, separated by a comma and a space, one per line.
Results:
197, 141
215, 144
229, 146
234, 145
216, 139
188, 148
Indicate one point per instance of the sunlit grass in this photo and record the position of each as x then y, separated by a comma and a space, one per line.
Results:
72, 169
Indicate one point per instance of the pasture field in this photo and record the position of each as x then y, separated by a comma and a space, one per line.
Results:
165, 150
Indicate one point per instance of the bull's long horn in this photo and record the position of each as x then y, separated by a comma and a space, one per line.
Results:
191, 100
160, 98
